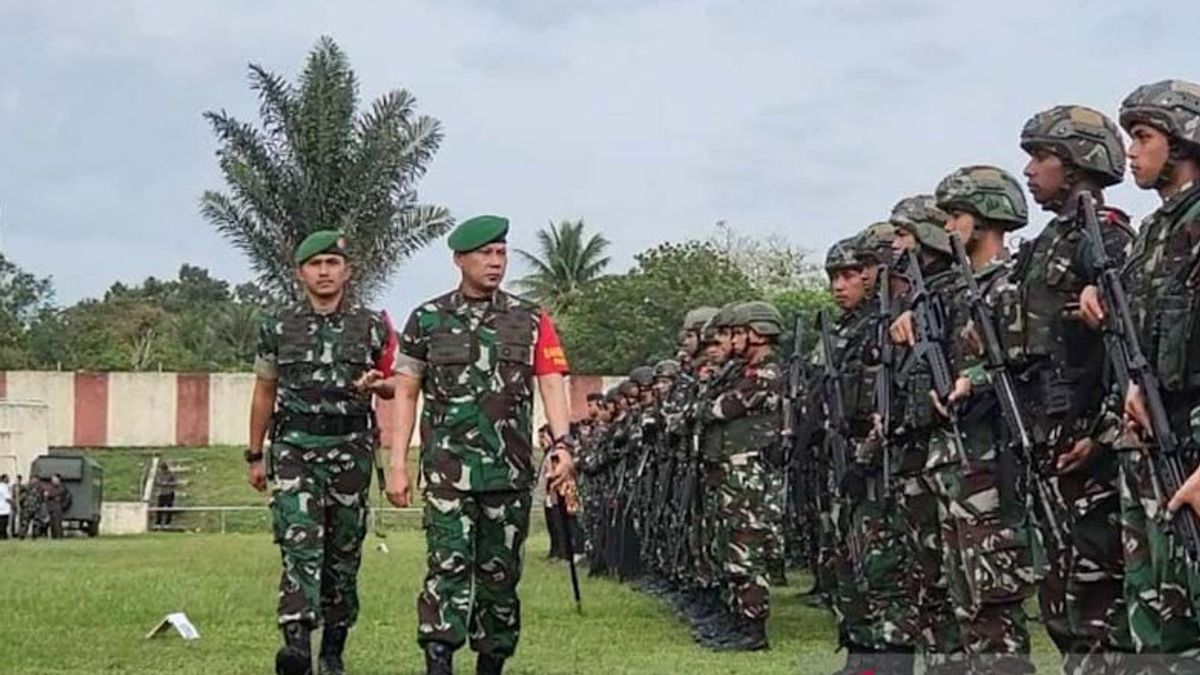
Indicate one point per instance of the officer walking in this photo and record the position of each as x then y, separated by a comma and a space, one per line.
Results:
318, 363
475, 355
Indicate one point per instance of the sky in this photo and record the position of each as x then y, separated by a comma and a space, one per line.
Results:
649, 120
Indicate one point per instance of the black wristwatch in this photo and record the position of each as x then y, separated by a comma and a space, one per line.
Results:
252, 456
567, 443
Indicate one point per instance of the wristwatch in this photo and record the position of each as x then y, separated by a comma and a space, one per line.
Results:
566, 442
252, 456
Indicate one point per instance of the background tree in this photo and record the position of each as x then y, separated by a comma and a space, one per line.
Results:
23, 297
564, 264
631, 319
316, 163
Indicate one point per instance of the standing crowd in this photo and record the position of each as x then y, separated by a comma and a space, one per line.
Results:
33, 509
975, 426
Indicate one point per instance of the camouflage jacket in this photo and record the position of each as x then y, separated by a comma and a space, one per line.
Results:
747, 413
475, 361
317, 357
1160, 278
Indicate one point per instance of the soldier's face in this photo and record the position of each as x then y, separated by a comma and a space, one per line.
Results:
849, 287
593, 409
723, 345
325, 275
662, 386
1046, 176
962, 224
483, 269
1148, 152
691, 341
738, 338
904, 241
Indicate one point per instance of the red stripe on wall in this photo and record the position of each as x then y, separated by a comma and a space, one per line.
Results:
191, 409
3, 384
91, 409
580, 387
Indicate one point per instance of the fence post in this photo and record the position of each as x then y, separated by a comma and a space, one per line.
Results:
222, 512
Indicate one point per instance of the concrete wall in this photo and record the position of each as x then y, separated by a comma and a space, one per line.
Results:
174, 409
123, 518
24, 434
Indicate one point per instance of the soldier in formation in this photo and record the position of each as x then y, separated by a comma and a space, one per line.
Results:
975, 425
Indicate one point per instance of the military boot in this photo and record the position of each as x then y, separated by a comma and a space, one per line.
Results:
333, 643
489, 664
896, 661
439, 659
295, 656
748, 635
716, 629
858, 661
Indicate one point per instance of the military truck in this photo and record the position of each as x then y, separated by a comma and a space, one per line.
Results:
84, 479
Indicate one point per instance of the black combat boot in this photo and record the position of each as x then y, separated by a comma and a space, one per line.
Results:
859, 660
716, 629
489, 664
295, 656
333, 643
439, 659
748, 635
896, 660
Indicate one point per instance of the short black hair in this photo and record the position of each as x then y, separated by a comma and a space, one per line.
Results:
4, 477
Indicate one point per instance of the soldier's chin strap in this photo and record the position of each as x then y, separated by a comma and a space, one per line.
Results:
1175, 153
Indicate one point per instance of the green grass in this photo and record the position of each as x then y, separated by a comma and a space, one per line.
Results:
81, 606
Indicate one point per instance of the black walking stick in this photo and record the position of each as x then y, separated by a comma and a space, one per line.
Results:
560, 505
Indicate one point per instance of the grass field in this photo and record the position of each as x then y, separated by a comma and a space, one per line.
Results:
84, 606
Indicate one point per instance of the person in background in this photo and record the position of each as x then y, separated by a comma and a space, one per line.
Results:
165, 482
6, 505
58, 502
554, 522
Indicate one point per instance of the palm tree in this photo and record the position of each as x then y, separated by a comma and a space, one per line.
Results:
566, 263
316, 163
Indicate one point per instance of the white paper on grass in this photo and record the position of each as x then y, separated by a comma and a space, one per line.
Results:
181, 624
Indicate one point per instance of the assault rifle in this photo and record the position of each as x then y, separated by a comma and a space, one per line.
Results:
929, 319
885, 380
1130, 366
984, 321
793, 480
837, 429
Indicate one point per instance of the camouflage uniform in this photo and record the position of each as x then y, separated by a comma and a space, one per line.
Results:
986, 530
1159, 277
475, 362
1060, 376
322, 451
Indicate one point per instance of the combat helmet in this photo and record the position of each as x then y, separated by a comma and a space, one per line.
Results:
1171, 106
1080, 135
667, 368
986, 192
763, 318
843, 255
875, 243
696, 318
919, 216
642, 376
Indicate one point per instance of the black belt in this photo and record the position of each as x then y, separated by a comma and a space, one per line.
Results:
325, 425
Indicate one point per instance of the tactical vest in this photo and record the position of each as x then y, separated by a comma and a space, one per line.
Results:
1161, 276
302, 354
492, 365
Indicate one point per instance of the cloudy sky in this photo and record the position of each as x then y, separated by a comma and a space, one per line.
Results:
651, 120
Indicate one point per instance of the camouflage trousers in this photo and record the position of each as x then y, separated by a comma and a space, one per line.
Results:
987, 557
319, 516
1160, 589
748, 516
1081, 595
844, 564
475, 544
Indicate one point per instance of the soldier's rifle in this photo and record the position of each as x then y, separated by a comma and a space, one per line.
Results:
984, 321
886, 378
929, 322
793, 482
837, 428
1130, 366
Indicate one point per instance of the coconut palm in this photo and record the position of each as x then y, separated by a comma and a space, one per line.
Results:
565, 262
315, 162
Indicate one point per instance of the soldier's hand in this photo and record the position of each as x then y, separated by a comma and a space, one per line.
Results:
398, 492
1136, 416
562, 469
1078, 456
961, 392
1189, 494
1091, 307
256, 475
902, 330
369, 381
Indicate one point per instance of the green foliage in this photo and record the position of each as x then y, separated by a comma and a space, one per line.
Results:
23, 297
802, 303
316, 163
628, 320
564, 265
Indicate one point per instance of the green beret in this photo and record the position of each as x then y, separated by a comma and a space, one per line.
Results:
321, 241
478, 232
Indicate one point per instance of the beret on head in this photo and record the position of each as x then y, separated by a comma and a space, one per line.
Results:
478, 232
321, 241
